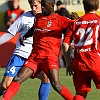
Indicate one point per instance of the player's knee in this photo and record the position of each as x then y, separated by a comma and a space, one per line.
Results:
57, 86
5, 85
16, 79
43, 77
6, 82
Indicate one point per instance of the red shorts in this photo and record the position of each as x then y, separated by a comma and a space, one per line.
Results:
82, 80
38, 64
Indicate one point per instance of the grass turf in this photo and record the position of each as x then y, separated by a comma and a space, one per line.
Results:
29, 89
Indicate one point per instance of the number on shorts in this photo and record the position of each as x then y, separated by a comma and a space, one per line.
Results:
13, 69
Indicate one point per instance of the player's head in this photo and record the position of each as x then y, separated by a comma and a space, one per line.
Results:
13, 4
35, 6
90, 5
47, 7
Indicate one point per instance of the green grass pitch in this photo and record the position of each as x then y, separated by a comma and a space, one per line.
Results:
29, 89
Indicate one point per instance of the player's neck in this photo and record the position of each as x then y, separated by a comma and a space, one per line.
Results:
94, 12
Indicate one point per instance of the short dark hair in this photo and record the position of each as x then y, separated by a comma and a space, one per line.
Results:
64, 12
58, 3
52, 1
90, 5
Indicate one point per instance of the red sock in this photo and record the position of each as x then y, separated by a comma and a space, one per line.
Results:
78, 97
11, 91
65, 93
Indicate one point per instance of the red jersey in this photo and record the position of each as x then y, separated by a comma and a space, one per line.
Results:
18, 12
14, 13
86, 36
47, 35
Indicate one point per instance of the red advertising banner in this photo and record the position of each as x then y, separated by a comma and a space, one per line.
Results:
7, 49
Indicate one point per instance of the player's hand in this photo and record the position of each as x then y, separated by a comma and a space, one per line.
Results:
12, 20
69, 70
21, 40
74, 16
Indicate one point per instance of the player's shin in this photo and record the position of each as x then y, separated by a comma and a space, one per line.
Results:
44, 91
65, 93
11, 91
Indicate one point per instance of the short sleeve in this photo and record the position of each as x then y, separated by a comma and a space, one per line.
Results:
15, 27
65, 22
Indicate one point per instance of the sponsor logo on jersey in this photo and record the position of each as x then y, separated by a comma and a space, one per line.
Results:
83, 50
86, 22
42, 30
49, 23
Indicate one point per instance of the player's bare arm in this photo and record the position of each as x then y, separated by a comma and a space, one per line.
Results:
28, 34
66, 51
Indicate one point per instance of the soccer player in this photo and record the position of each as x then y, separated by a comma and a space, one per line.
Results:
48, 30
86, 35
21, 53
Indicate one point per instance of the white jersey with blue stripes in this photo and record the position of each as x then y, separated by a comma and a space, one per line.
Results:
22, 25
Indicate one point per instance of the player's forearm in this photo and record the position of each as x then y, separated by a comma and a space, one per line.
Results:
66, 53
5, 37
29, 33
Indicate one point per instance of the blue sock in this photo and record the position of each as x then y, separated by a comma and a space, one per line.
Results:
2, 92
44, 91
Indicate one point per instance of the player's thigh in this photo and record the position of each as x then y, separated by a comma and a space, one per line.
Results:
48, 65
28, 70
53, 75
51, 68
23, 74
40, 74
14, 65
